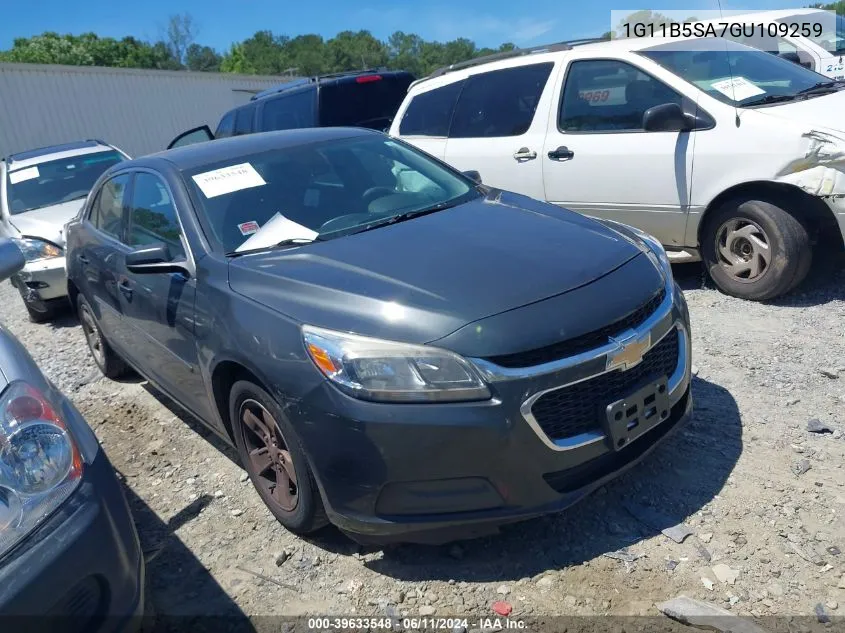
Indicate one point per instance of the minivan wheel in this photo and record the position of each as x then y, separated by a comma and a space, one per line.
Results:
274, 460
104, 356
755, 250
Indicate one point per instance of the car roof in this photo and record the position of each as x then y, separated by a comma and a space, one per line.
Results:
191, 156
54, 152
322, 80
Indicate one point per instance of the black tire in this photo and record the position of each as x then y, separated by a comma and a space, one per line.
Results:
106, 359
732, 240
38, 317
301, 510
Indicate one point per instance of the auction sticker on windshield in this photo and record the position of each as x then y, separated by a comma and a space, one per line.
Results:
228, 180
737, 88
23, 174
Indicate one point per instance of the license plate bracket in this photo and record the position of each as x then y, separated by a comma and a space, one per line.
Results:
630, 417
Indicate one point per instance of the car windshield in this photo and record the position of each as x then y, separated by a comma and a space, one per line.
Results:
736, 75
320, 191
831, 41
56, 181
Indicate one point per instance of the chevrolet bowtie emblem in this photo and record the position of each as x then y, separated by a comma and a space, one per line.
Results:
629, 351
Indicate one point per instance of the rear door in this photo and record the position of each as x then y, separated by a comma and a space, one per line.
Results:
425, 119
99, 255
495, 131
158, 308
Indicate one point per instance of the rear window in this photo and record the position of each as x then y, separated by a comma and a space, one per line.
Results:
369, 101
243, 120
500, 102
430, 113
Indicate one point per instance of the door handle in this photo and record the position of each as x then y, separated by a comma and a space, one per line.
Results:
523, 153
562, 153
82, 259
126, 288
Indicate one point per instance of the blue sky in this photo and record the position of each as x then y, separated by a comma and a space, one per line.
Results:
488, 22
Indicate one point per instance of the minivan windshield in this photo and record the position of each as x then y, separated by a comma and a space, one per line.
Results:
320, 191
56, 181
739, 75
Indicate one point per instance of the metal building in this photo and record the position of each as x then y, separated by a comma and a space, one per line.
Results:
139, 111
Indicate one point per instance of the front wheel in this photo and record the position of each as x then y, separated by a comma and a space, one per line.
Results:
274, 460
754, 249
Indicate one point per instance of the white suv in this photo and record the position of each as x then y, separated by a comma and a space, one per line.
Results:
733, 155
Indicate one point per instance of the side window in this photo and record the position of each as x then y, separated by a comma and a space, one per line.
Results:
430, 113
243, 120
609, 96
226, 125
107, 210
501, 102
288, 112
152, 215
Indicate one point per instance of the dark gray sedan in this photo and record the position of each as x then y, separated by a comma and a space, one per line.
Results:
390, 345
69, 553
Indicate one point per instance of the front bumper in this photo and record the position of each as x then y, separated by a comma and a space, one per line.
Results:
42, 280
82, 569
433, 473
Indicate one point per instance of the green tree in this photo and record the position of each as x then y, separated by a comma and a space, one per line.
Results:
180, 34
202, 58
349, 51
235, 61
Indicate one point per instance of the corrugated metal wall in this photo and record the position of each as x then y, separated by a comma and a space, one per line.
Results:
140, 111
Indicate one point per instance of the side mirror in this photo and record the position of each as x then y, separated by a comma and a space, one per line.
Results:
153, 259
11, 259
790, 56
667, 117
472, 174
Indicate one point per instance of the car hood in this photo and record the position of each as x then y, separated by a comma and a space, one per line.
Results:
824, 111
47, 223
420, 280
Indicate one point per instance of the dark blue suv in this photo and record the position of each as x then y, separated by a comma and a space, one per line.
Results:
368, 99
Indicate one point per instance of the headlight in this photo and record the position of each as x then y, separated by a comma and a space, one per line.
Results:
40, 465
34, 249
385, 371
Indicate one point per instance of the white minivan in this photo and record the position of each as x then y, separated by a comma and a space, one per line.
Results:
726, 153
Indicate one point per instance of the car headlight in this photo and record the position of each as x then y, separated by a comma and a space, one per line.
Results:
385, 371
34, 249
40, 464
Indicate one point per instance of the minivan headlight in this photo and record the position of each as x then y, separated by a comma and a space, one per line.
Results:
40, 464
386, 371
34, 249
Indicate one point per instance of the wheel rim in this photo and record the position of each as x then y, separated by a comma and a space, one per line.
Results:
742, 250
92, 336
270, 463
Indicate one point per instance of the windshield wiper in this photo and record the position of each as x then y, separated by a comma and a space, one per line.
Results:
769, 99
822, 86
288, 243
395, 219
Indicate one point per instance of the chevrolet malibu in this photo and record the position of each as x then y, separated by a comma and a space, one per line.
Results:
390, 345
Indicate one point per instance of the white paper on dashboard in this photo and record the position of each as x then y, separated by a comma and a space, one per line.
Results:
228, 179
277, 229
738, 88
23, 174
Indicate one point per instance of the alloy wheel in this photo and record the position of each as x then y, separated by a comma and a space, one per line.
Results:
92, 336
743, 249
270, 463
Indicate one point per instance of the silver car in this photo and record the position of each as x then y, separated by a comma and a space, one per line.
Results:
69, 549
40, 191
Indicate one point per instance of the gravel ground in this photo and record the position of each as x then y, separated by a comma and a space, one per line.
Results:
763, 496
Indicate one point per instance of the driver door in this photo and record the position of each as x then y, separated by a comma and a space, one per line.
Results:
598, 160
199, 134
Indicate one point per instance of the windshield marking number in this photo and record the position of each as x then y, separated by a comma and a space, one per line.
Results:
23, 174
228, 180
